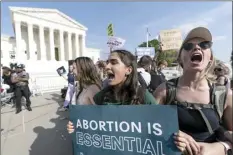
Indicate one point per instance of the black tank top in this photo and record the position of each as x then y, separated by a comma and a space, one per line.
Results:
191, 120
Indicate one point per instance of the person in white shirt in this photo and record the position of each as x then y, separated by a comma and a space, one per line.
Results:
144, 65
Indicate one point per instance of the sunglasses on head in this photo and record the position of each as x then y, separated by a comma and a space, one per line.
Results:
204, 45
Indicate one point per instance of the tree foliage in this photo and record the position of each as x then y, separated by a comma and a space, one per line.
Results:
170, 55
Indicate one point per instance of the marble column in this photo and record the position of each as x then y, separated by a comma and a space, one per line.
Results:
69, 46
42, 43
18, 38
32, 54
61, 45
51, 42
77, 46
83, 46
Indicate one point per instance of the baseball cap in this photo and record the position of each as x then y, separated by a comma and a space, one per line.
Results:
199, 32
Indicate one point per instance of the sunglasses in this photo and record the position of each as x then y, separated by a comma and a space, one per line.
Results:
218, 69
204, 45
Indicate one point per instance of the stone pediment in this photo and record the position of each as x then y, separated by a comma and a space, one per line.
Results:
52, 15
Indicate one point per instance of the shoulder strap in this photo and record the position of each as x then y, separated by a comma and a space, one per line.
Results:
142, 80
219, 96
171, 90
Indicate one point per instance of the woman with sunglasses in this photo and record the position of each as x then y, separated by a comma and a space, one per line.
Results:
222, 71
192, 93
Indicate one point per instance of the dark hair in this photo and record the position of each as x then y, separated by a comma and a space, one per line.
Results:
101, 64
88, 73
154, 66
129, 93
7, 69
145, 61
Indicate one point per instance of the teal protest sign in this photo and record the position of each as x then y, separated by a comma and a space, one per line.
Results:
124, 130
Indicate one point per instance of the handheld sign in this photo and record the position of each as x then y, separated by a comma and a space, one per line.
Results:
141, 51
110, 29
170, 39
61, 71
115, 42
124, 130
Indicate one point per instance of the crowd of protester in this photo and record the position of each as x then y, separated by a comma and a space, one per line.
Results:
202, 93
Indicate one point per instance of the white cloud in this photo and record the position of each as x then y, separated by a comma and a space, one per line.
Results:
163, 20
210, 17
219, 38
186, 27
205, 19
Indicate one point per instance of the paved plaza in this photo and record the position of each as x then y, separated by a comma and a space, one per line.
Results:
40, 132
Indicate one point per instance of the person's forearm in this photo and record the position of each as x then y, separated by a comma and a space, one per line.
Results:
23, 79
216, 148
65, 77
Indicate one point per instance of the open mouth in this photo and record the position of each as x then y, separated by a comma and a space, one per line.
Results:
110, 76
196, 58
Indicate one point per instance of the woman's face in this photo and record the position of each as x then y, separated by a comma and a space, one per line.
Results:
162, 66
75, 69
71, 68
196, 54
218, 71
116, 70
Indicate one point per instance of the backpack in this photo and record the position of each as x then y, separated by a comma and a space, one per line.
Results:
218, 99
157, 78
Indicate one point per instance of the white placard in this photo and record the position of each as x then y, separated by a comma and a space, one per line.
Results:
115, 42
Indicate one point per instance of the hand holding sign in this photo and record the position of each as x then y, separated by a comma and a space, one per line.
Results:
70, 127
186, 143
101, 130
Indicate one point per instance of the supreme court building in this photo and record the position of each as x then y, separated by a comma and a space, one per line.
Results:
46, 34
44, 40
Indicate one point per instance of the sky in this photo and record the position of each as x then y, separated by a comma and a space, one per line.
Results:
130, 20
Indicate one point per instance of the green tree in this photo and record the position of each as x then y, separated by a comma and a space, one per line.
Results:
170, 55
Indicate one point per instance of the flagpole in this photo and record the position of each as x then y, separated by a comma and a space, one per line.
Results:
147, 37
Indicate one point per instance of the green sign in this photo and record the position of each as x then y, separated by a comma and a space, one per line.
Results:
124, 130
110, 30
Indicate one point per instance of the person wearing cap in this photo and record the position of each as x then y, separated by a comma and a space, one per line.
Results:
20, 78
198, 119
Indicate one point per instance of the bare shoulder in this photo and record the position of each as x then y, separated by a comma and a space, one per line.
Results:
160, 93
93, 89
